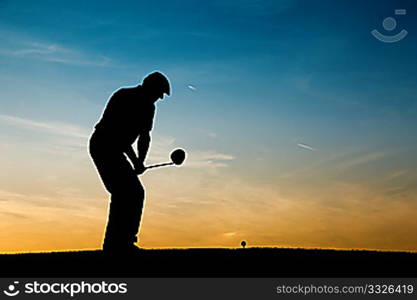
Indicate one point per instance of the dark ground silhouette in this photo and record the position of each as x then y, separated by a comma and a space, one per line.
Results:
249, 262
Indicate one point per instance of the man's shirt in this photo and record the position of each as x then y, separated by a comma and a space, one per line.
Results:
128, 114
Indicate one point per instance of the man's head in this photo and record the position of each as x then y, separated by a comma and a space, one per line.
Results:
156, 84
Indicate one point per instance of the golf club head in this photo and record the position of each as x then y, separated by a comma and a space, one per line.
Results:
178, 156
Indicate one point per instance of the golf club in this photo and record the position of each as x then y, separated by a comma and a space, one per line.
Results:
177, 158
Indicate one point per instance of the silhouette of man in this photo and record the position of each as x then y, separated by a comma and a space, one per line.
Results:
128, 116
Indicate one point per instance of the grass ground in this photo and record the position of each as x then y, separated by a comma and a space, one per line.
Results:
250, 262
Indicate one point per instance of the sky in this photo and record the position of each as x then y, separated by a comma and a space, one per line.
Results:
300, 126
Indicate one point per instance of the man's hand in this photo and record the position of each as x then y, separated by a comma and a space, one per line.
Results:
139, 167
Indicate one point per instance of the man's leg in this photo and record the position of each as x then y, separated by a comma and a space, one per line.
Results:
127, 198
125, 209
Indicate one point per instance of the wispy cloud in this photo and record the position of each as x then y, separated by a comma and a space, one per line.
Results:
35, 200
38, 49
160, 148
305, 146
195, 158
229, 234
14, 215
191, 87
77, 136
57, 128
201, 159
24, 47
163, 145
363, 159
396, 174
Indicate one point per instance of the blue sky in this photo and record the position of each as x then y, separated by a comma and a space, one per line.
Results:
269, 77
289, 61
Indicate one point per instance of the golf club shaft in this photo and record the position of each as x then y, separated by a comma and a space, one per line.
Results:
160, 165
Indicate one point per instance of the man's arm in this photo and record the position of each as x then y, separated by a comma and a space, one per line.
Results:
143, 147
132, 156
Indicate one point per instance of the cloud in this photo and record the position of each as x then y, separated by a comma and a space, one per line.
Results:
195, 159
396, 174
160, 149
76, 136
301, 145
34, 201
367, 158
216, 156
101, 62
33, 221
15, 45
14, 215
38, 49
229, 234
191, 87
212, 159
46, 138
57, 128
163, 145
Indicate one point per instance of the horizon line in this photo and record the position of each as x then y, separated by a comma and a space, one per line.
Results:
216, 247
